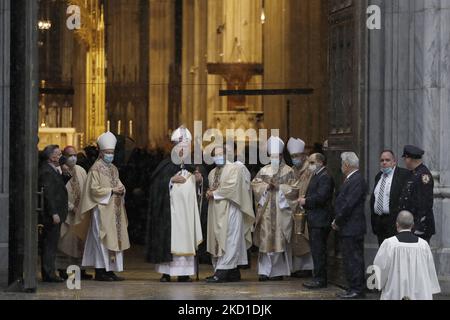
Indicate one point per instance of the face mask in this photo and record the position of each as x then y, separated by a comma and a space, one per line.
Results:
313, 167
387, 171
297, 162
108, 158
72, 161
219, 160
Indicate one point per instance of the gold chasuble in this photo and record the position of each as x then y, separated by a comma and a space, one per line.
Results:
274, 221
97, 193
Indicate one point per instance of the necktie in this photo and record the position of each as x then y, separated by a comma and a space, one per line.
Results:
380, 202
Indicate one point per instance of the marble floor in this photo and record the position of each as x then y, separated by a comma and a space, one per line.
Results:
142, 283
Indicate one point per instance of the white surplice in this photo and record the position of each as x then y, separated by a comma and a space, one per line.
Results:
407, 270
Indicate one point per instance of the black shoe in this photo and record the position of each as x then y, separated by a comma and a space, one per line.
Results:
315, 284
216, 279
234, 275
184, 279
85, 276
63, 274
165, 278
101, 275
53, 279
280, 278
302, 274
115, 277
351, 295
263, 278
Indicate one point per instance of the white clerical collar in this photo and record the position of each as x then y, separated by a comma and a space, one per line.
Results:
353, 172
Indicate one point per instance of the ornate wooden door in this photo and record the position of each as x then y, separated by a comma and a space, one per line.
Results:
345, 115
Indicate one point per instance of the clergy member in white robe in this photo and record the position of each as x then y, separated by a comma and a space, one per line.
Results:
71, 246
103, 204
230, 219
406, 265
274, 222
186, 229
302, 261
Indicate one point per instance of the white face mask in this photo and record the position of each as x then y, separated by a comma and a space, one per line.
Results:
108, 158
313, 167
219, 161
72, 161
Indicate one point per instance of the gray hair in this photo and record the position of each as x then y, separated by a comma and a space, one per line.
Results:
351, 159
405, 220
48, 151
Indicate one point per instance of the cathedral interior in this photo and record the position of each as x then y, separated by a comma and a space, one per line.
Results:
141, 68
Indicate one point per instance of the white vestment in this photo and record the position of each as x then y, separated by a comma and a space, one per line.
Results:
95, 253
407, 270
186, 229
235, 250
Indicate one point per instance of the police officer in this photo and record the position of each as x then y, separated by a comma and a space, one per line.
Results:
417, 196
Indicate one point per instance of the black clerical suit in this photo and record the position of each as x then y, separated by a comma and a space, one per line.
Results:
55, 203
384, 225
351, 223
319, 196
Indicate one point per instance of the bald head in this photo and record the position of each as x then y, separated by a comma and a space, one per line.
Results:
405, 221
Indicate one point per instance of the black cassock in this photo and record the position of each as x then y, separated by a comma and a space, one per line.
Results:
159, 224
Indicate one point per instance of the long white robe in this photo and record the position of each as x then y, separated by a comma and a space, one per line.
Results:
406, 270
95, 253
70, 245
230, 217
186, 229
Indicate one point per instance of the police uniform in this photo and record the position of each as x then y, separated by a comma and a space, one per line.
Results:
417, 197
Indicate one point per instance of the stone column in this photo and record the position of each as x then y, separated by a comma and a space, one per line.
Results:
194, 71
5, 29
409, 95
23, 127
161, 57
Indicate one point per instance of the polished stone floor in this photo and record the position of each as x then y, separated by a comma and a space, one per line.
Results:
142, 283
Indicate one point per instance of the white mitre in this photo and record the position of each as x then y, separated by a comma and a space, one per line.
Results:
107, 141
275, 145
296, 146
182, 134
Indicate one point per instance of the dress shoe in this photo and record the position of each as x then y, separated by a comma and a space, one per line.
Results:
302, 274
279, 278
263, 278
315, 285
234, 275
184, 279
115, 277
101, 275
85, 276
53, 279
216, 279
351, 295
165, 278
63, 274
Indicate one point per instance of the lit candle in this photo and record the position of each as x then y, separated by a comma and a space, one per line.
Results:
119, 125
131, 128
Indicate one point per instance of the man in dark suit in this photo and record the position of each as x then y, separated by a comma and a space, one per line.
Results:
350, 223
417, 196
318, 209
384, 202
55, 209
